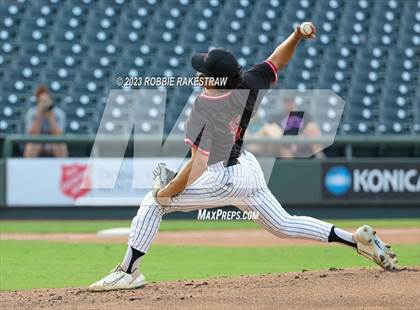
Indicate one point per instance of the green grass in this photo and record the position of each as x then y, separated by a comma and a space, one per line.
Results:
176, 225
39, 264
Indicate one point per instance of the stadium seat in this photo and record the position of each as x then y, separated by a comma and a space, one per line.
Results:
367, 52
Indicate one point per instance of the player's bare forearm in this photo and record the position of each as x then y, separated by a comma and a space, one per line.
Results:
192, 170
179, 183
285, 51
199, 166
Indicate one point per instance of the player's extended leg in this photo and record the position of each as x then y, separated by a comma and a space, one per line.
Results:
278, 221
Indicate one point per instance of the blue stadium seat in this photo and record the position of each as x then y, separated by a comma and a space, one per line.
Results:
367, 52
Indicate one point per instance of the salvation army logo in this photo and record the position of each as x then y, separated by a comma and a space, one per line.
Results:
71, 180
338, 180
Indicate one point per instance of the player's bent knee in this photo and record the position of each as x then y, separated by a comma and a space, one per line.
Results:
148, 200
149, 203
146, 210
148, 197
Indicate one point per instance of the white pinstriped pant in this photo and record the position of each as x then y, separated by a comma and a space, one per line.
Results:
241, 185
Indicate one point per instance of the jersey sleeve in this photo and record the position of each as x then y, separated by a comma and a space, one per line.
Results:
261, 76
198, 131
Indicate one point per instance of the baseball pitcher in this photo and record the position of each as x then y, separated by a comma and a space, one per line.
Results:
221, 172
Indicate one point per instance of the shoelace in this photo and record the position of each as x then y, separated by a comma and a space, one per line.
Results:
117, 269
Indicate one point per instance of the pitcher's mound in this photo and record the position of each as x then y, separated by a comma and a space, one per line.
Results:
333, 289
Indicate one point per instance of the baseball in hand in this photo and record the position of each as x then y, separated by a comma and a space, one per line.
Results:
306, 28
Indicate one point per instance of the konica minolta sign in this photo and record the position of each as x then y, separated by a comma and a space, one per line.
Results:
367, 180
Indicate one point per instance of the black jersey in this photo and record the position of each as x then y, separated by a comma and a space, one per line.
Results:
217, 124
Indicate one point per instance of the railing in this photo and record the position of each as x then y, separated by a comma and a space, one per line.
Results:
346, 142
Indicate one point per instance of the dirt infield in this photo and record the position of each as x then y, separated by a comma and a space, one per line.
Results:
333, 289
244, 237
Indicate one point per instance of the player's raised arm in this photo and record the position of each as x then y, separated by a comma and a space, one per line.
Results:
284, 52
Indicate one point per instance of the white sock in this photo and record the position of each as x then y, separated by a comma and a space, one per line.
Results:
131, 260
341, 236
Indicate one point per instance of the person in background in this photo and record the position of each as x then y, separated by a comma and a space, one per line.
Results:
279, 124
259, 128
45, 119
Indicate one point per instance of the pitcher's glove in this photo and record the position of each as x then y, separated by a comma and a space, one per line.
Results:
161, 177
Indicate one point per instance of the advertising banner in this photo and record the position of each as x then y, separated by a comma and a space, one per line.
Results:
47, 182
384, 180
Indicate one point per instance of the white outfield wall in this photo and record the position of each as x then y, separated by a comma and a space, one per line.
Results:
47, 182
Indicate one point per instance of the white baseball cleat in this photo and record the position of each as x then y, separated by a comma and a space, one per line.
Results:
117, 279
371, 247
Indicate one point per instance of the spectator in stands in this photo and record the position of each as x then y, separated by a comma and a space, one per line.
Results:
45, 119
284, 123
259, 128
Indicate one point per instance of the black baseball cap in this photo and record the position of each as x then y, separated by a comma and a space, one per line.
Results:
218, 62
